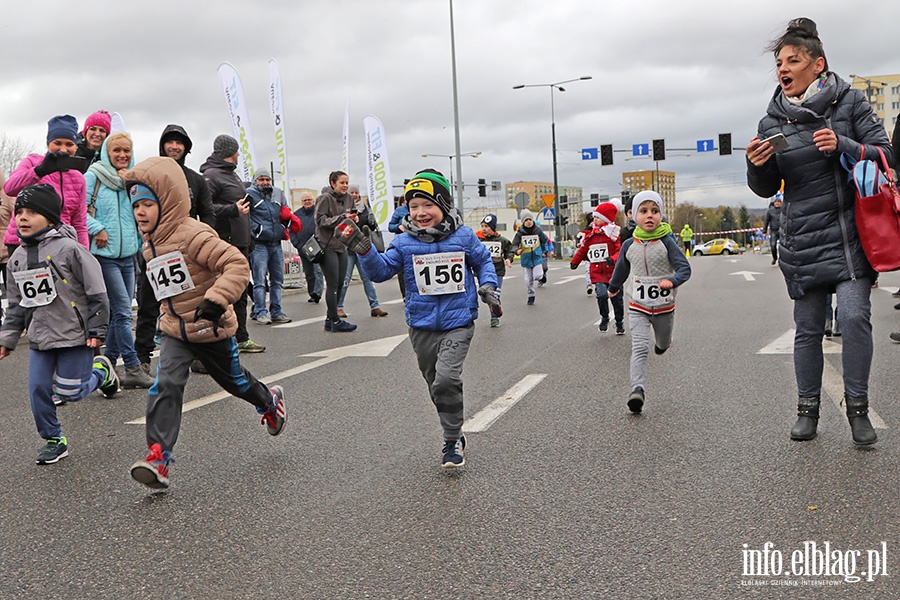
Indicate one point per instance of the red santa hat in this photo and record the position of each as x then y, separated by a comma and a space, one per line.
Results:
606, 211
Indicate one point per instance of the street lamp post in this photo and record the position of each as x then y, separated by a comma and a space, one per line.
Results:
459, 184
552, 86
869, 86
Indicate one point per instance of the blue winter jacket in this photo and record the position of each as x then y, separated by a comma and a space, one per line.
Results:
265, 214
446, 311
113, 213
397, 219
531, 257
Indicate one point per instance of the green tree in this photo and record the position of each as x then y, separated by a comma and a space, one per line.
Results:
727, 221
745, 223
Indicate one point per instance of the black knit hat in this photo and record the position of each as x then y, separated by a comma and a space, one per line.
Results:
42, 199
225, 146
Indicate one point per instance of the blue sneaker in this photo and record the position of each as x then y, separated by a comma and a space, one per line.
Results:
274, 416
342, 326
55, 449
453, 453
327, 324
154, 470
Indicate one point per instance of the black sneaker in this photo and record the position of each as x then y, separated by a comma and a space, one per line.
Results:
895, 335
154, 470
658, 350
636, 400
453, 453
530, 300
620, 329
55, 449
604, 325
274, 416
109, 382
342, 326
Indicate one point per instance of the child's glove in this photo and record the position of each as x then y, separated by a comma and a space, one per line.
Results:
356, 239
573, 266
209, 311
610, 262
489, 296
50, 164
285, 213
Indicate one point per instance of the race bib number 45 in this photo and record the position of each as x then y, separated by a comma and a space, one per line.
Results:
646, 292
36, 287
440, 273
169, 276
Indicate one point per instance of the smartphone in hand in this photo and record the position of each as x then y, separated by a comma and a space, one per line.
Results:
778, 142
71, 163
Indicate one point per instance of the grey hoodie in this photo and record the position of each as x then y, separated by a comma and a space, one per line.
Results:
81, 307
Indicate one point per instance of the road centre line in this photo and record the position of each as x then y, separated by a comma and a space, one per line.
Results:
493, 411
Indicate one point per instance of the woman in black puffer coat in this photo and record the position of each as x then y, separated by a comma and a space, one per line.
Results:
821, 117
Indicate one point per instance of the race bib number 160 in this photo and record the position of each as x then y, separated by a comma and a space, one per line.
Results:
169, 276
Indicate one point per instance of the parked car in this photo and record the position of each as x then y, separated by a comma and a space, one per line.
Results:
716, 246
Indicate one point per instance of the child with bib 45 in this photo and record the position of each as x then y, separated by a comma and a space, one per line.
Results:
439, 259
650, 267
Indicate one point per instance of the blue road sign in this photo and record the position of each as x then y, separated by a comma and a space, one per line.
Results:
547, 214
588, 154
640, 150
705, 146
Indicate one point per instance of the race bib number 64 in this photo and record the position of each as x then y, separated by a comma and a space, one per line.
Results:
169, 276
36, 287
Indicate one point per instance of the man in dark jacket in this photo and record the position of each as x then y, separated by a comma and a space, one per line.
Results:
268, 207
176, 144
315, 279
772, 223
232, 217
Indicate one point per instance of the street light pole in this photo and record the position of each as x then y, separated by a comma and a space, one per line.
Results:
459, 182
552, 86
459, 194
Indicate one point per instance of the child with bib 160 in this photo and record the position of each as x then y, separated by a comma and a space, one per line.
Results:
650, 267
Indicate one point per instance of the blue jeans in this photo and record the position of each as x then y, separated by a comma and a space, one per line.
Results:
118, 274
267, 259
353, 261
810, 313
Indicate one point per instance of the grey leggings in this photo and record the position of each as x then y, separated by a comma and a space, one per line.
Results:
856, 328
641, 324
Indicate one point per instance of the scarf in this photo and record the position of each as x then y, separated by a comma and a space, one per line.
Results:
611, 230
107, 175
450, 223
811, 91
660, 232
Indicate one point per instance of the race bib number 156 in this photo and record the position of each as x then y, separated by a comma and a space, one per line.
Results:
440, 273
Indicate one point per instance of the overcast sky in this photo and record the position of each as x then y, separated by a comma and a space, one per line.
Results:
682, 71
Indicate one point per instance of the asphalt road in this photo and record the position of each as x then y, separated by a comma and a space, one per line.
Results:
564, 495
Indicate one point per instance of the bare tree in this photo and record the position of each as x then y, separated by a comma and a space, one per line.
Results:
12, 151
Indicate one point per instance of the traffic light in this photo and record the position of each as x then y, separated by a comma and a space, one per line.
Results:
595, 199
482, 188
659, 149
724, 144
606, 155
563, 202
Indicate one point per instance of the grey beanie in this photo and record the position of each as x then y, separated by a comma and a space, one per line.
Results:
225, 146
263, 172
526, 214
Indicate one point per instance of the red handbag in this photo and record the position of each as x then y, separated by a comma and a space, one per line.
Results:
878, 216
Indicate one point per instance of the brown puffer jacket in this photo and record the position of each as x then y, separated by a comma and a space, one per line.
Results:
218, 270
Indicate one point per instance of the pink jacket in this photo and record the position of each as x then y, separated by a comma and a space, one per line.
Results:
70, 187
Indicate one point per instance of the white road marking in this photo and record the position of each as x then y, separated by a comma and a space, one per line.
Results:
832, 381
381, 347
300, 323
748, 275
493, 411
571, 278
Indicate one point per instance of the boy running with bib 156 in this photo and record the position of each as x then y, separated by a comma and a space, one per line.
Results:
439, 258
650, 267
197, 277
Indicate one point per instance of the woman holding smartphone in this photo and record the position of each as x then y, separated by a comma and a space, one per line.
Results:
59, 168
334, 205
821, 118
